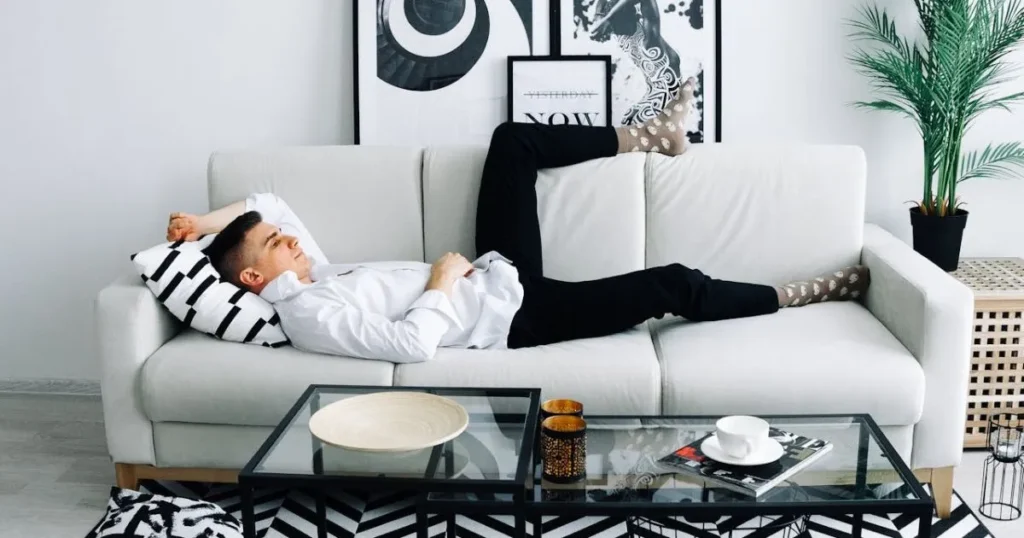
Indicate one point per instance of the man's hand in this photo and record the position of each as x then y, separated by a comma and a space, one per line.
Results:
183, 227
446, 270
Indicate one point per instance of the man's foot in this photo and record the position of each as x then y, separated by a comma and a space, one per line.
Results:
665, 133
841, 285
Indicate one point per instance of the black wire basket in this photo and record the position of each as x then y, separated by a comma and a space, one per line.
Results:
1002, 481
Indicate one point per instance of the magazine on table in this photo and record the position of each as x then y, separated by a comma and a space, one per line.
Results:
753, 480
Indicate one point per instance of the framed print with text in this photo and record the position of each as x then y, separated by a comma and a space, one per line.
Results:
560, 90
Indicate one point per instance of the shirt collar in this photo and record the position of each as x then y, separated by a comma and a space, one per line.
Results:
285, 286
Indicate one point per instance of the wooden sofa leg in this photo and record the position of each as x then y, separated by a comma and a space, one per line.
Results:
942, 491
129, 475
125, 476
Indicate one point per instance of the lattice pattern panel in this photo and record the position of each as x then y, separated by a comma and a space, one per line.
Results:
992, 276
997, 353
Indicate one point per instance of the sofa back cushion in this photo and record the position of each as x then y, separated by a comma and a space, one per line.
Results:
757, 213
361, 203
591, 214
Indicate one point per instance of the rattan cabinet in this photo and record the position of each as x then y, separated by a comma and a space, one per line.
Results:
997, 353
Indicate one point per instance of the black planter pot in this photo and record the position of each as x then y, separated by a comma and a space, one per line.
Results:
939, 238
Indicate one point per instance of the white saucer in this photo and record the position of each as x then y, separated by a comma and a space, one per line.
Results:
769, 452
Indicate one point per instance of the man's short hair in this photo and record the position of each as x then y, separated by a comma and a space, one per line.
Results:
227, 252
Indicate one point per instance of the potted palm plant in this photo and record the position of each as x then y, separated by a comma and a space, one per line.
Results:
943, 81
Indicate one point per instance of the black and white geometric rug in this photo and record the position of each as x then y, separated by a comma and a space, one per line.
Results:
292, 514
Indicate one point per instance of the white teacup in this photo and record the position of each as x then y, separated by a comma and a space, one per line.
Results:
740, 436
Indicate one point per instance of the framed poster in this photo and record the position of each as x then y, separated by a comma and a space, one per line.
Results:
433, 71
655, 45
559, 90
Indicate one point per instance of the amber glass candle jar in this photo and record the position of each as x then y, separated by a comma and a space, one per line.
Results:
563, 440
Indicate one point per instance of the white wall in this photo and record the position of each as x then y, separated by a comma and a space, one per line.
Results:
786, 79
110, 108
108, 112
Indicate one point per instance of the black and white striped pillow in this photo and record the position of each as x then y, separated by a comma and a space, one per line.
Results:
184, 280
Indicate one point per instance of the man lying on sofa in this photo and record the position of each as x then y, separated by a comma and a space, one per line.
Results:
404, 311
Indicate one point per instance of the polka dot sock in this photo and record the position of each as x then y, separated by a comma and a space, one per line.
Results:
664, 133
841, 285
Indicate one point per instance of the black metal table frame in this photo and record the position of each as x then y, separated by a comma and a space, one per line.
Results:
523, 507
249, 480
921, 507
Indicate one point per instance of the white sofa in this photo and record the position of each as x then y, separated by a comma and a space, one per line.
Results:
181, 404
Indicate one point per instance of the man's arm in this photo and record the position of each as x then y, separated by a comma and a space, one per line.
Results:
325, 326
346, 330
273, 209
189, 227
446, 270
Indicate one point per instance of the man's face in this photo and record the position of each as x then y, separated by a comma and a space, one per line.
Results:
271, 253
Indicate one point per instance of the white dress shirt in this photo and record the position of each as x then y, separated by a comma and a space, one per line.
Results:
381, 310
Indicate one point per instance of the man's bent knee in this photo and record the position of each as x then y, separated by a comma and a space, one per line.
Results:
508, 133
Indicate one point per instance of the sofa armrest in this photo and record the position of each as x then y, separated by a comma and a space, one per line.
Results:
931, 313
131, 324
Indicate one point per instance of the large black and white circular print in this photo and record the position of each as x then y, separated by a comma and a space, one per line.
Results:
426, 45
433, 71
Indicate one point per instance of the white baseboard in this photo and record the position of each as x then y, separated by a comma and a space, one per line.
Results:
50, 386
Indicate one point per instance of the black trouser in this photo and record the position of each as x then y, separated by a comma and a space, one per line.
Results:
555, 311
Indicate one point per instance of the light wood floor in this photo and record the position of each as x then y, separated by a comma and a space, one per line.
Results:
55, 474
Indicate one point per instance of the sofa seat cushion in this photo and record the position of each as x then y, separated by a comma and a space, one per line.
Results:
196, 378
825, 358
616, 375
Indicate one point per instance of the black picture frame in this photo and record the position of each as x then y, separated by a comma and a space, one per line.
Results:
556, 47
355, 72
606, 81
366, 101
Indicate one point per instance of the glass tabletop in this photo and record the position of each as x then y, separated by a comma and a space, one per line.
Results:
624, 474
623, 464
494, 449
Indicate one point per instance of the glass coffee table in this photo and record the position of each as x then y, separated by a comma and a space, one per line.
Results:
862, 474
492, 457
491, 469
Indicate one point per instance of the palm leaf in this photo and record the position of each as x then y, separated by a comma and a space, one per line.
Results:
1006, 28
984, 103
888, 106
898, 77
999, 26
926, 12
874, 24
999, 161
896, 66
950, 54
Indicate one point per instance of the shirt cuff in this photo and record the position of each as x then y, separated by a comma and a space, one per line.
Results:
437, 301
